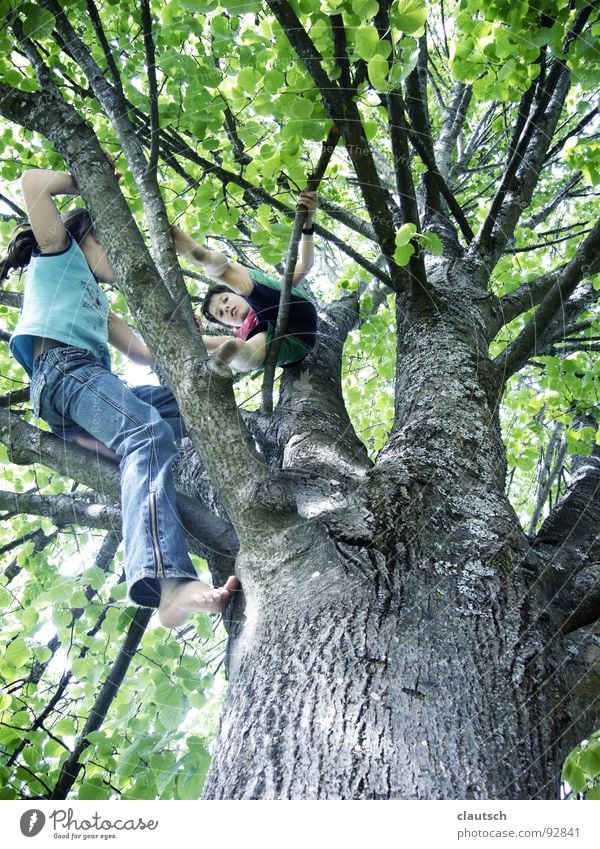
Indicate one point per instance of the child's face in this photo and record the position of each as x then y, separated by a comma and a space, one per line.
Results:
229, 308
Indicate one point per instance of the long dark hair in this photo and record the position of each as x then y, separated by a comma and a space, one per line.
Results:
204, 309
77, 222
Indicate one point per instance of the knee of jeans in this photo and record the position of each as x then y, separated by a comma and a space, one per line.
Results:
157, 435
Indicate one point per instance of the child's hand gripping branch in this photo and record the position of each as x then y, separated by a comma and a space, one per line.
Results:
248, 300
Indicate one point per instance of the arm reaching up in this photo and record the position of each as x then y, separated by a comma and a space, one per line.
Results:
216, 264
306, 251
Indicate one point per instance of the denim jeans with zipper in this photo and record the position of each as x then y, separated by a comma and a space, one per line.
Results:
76, 394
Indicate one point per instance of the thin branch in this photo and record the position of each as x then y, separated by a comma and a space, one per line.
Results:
14, 543
71, 767
40, 541
417, 109
42, 73
454, 119
524, 298
537, 218
101, 36
340, 50
343, 111
312, 185
575, 131
528, 157
540, 245
18, 396
156, 217
586, 261
453, 205
481, 131
20, 213
554, 460
103, 560
152, 89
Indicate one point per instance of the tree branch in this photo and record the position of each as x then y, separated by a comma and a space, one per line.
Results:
64, 509
453, 205
103, 561
155, 212
574, 523
152, 89
312, 185
208, 535
575, 131
343, 111
553, 463
582, 665
417, 109
71, 767
112, 65
523, 169
586, 261
11, 299
537, 218
579, 599
521, 300
454, 119
20, 213
216, 430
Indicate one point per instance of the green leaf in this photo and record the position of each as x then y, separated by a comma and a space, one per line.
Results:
594, 793
378, 71
366, 41
574, 776
196, 5
403, 253
432, 243
80, 668
119, 591
273, 81
248, 79
365, 8
94, 788
37, 22
589, 760
408, 15
17, 653
171, 703
405, 234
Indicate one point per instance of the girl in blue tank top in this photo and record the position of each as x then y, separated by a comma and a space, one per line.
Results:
61, 340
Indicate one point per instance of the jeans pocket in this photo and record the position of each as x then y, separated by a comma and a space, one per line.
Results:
36, 388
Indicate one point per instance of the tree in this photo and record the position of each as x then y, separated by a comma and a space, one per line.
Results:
402, 637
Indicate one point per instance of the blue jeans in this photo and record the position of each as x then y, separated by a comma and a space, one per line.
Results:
76, 394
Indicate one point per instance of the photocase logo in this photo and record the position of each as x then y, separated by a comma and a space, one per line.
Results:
32, 822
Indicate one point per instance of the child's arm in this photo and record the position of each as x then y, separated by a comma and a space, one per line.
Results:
122, 337
216, 264
39, 187
306, 251
241, 355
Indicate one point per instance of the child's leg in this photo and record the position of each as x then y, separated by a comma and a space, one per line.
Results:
163, 400
80, 390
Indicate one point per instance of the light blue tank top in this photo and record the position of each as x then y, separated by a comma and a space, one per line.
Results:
62, 301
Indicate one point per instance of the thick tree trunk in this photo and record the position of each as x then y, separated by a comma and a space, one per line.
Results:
363, 677
398, 648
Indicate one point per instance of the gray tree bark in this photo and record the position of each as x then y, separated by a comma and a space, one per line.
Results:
398, 640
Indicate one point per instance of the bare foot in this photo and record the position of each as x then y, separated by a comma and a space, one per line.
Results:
180, 597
